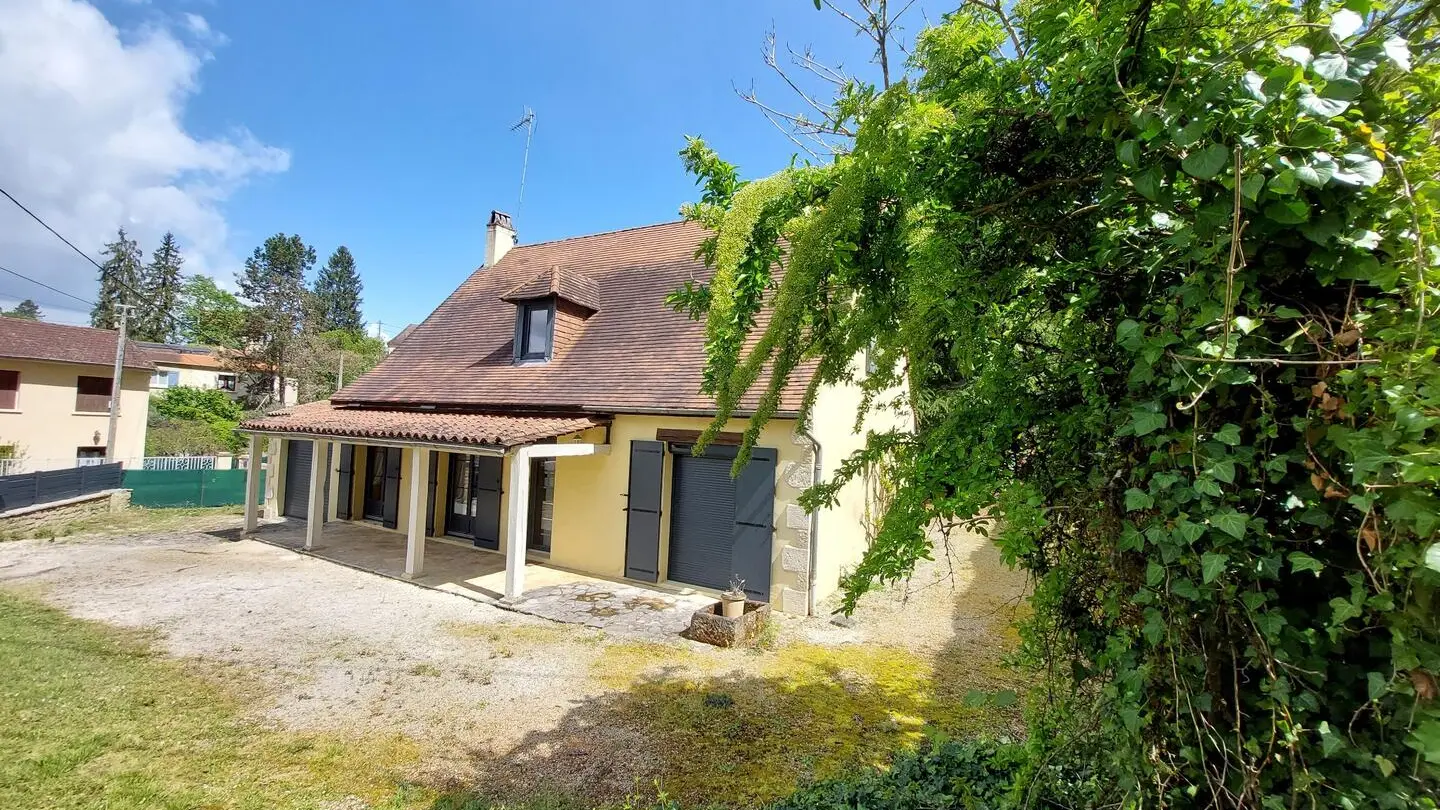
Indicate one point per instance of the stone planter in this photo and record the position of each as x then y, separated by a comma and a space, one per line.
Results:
709, 625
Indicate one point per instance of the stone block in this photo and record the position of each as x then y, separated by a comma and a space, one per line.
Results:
800, 475
710, 626
796, 518
793, 601
795, 560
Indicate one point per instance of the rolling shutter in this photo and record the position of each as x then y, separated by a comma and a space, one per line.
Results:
347, 481
485, 524
702, 520
642, 511
755, 523
390, 517
297, 479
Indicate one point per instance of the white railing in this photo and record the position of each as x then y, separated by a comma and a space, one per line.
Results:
90, 462
177, 463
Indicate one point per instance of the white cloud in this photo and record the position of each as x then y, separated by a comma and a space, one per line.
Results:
93, 140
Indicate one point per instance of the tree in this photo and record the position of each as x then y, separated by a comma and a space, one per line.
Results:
192, 421
210, 316
321, 357
337, 294
27, 310
119, 281
273, 281
161, 283
1161, 278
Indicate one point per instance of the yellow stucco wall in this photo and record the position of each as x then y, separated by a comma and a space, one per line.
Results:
46, 427
844, 531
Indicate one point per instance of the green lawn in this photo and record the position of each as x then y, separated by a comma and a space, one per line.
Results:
95, 718
140, 520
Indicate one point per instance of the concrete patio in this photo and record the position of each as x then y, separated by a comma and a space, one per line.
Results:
479, 574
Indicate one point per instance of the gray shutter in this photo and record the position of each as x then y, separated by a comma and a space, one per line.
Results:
430, 497
485, 481
297, 479
755, 523
347, 481
642, 520
390, 517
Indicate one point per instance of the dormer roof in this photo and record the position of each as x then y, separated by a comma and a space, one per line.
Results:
559, 282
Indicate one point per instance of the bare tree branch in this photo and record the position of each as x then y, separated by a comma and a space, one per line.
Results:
994, 8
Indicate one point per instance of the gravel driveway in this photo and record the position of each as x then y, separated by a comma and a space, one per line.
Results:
340, 649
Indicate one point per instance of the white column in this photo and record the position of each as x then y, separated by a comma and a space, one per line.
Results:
252, 485
415, 529
315, 511
518, 507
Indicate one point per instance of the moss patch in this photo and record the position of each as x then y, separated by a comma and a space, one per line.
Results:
95, 718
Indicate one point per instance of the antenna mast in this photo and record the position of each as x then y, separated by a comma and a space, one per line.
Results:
528, 122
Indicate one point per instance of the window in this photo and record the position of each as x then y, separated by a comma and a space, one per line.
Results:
165, 379
92, 394
9, 389
225, 382
536, 327
89, 456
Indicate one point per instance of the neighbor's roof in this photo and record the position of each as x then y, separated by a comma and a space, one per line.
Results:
491, 430
171, 354
36, 340
634, 354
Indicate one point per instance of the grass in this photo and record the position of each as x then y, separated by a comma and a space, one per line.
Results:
95, 718
138, 520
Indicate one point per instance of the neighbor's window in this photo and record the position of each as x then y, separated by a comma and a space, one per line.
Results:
89, 456
9, 389
225, 382
92, 394
165, 379
536, 327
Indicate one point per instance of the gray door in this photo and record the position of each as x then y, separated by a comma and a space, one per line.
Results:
297, 479
642, 511
721, 526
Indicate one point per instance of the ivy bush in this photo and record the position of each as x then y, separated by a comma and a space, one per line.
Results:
1160, 277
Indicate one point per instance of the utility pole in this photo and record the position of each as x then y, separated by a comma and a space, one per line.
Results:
340, 378
116, 380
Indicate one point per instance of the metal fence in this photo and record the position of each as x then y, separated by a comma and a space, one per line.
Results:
19, 491
200, 487
177, 463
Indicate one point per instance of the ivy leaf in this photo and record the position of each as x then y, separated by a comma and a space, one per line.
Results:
1137, 499
1145, 421
1223, 471
1212, 565
1397, 50
1251, 185
1322, 107
1270, 624
1154, 628
1188, 531
1360, 170
1342, 610
1300, 561
1284, 182
1426, 739
1376, 684
1230, 522
1288, 212
1345, 23
1342, 89
1148, 183
1330, 742
1129, 334
1207, 162
1186, 588
1299, 54
1330, 66
1129, 153
1229, 434
1205, 486
1190, 134
1315, 172
1130, 538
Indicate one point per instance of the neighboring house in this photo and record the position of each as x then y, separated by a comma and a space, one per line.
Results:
183, 366
55, 386
548, 408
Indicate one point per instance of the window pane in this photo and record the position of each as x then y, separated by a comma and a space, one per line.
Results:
537, 331
9, 385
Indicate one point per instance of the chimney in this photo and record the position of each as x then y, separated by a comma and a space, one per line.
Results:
499, 237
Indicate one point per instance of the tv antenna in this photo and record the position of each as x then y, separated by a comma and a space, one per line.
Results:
528, 122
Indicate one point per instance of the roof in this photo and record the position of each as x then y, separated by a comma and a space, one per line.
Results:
170, 354
56, 343
635, 354
490, 430
400, 338
562, 283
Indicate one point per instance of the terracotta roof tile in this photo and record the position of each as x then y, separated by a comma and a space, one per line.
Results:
491, 430
36, 340
557, 281
636, 353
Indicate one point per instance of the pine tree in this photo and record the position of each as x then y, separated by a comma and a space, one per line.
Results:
119, 281
162, 285
273, 281
26, 310
337, 294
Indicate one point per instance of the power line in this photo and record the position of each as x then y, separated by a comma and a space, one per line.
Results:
47, 227
47, 286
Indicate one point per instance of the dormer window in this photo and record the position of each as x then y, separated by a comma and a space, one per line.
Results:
537, 330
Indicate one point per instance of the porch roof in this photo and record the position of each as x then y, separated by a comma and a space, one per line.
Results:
481, 429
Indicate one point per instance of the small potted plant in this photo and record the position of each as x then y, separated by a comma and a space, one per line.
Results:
732, 599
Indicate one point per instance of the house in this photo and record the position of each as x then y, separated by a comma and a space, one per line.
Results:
206, 367
548, 410
55, 387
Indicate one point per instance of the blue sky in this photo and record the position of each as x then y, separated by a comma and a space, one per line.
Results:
387, 124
